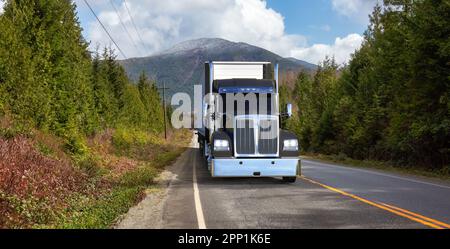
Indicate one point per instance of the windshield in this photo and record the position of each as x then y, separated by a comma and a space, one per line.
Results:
232, 105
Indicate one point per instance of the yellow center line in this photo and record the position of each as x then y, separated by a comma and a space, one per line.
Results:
409, 215
440, 223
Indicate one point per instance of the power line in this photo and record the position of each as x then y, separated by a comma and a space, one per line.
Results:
134, 25
123, 24
104, 28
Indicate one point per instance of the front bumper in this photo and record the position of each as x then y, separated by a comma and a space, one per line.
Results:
289, 167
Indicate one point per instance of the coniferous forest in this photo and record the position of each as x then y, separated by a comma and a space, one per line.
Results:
79, 141
391, 102
48, 76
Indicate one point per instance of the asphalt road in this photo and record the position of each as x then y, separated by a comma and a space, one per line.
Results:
327, 196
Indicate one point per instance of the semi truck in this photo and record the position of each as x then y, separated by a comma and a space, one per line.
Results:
241, 135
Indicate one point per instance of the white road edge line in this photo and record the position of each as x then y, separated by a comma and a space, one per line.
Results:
198, 203
375, 173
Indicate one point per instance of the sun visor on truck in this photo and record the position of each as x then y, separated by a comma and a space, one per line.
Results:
244, 86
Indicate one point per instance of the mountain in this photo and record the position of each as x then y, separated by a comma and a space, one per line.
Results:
301, 63
182, 66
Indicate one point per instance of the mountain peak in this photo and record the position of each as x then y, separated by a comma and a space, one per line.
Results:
197, 44
205, 45
182, 66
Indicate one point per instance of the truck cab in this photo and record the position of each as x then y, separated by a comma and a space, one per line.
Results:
241, 134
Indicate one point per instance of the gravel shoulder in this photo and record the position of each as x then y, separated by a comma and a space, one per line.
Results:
148, 214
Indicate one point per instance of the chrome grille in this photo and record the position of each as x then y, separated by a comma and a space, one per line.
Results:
256, 136
245, 137
268, 137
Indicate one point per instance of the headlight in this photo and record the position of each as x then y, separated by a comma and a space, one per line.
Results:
221, 145
290, 145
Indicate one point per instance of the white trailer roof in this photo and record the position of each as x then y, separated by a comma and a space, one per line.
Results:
237, 69
239, 62
222, 70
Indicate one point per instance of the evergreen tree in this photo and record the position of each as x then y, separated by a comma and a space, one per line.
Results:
105, 101
22, 75
48, 76
47, 66
151, 99
392, 101
116, 76
133, 113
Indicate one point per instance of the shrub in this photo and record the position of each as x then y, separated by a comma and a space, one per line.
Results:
140, 177
23, 211
32, 184
342, 156
126, 139
103, 212
44, 149
76, 145
90, 165
16, 129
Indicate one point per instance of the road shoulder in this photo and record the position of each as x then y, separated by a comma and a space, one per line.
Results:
148, 214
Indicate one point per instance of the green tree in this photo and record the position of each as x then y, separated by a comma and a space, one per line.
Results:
116, 76
46, 67
21, 79
151, 99
105, 101
133, 113
392, 101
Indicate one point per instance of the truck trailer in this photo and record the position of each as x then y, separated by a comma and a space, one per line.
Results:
241, 134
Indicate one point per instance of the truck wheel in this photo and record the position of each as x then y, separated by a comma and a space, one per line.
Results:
202, 148
205, 145
289, 179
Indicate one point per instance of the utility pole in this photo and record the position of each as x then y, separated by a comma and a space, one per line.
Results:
164, 88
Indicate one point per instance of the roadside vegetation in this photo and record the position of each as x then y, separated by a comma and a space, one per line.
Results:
44, 186
79, 142
390, 104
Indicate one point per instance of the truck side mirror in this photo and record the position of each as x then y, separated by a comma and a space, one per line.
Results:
205, 109
289, 110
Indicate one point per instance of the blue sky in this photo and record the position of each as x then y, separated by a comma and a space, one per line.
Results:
317, 19
304, 29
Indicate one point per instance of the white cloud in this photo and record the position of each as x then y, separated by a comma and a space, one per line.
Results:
1, 6
341, 49
165, 23
355, 9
